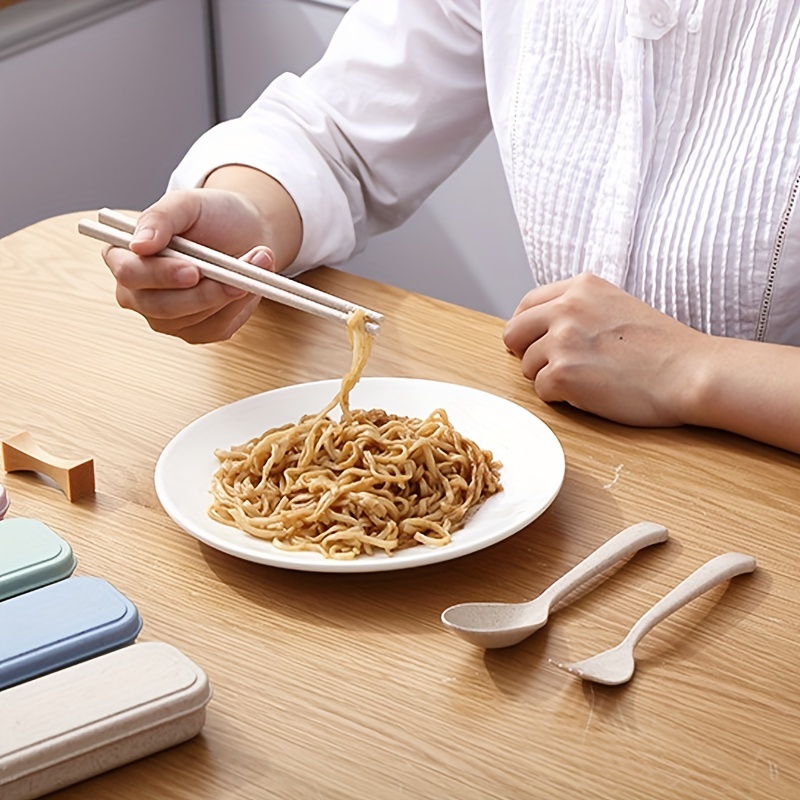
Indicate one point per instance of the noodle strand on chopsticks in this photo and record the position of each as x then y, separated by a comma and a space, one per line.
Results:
369, 482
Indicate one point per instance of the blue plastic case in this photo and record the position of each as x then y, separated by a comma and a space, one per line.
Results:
66, 622
31, 555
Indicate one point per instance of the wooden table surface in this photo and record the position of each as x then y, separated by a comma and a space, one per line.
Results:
347, 685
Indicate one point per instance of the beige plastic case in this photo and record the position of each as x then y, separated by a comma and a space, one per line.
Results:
97, 715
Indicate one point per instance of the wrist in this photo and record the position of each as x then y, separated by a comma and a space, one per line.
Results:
270, 203
703, 395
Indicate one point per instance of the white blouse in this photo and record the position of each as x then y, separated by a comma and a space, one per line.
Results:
653, 142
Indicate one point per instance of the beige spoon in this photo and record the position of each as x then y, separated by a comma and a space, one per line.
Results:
492, 625
616, 665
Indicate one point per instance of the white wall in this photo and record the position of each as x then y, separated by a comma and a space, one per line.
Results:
99, 99
463, 245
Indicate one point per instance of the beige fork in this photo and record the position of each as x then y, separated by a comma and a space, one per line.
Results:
616, 665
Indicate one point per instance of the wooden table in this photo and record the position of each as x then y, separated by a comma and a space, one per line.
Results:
347, 685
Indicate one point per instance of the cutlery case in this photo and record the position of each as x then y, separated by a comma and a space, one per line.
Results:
61, 624
31, 555
97, 715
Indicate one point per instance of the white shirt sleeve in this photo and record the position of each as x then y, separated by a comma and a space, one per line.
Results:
396, 104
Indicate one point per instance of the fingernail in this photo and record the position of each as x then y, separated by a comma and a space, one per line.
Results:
186, 276
233, 291
263, 259
144, 235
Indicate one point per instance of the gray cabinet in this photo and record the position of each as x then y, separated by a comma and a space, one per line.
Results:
99, 99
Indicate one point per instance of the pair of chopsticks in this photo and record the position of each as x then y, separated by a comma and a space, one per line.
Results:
116, 229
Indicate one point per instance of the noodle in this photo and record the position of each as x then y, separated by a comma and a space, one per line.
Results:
370, 482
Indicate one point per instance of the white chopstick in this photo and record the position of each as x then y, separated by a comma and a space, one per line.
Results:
116, 229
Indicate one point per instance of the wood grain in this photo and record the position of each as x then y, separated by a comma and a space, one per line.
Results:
347, 686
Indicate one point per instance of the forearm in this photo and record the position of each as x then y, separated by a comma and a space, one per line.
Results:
749, 388
282, 222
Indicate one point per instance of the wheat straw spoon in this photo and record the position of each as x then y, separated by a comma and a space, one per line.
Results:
616, 665
492, 625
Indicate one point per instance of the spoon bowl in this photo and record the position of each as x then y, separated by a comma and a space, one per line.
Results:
493, 625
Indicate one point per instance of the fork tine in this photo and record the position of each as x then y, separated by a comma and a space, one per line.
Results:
611, 667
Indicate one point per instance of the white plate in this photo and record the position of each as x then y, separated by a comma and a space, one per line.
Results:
532, 458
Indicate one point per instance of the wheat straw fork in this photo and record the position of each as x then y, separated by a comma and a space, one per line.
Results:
492, 625
116, 229
616, 665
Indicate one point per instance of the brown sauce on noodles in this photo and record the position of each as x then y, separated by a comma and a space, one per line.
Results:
371, 481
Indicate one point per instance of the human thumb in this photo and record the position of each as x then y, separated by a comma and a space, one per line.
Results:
173, 214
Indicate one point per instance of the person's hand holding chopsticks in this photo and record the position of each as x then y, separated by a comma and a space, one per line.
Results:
241, 212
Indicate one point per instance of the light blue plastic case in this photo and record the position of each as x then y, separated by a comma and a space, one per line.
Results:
31, 555
61, 624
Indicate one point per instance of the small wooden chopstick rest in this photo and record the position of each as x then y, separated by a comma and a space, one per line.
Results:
76, 477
